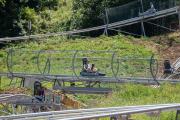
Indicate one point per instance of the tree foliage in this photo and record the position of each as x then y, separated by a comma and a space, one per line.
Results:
88, 13
15, 15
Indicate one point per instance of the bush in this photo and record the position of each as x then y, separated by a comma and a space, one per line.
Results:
40, 5
15, 15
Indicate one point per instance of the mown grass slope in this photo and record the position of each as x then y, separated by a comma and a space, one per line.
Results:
126, 46
130, 94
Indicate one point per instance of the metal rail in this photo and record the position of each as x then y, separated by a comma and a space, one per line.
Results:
48, 71
93, 113
9, 98
158, 14
135, 20
176, 64
65, 78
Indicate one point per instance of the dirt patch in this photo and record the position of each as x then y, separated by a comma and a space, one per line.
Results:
168, 45
16, 91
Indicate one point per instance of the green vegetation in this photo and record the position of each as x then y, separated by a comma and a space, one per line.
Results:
52, 15
45, 16
130, 94
126, 47
127, 94
58, 15
89, 13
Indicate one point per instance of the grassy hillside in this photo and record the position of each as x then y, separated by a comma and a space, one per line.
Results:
126, 46
130, 94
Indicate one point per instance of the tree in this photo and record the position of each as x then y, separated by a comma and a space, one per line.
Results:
15, 14
9, 14
88, 13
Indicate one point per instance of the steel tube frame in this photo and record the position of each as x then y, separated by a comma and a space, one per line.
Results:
113, 61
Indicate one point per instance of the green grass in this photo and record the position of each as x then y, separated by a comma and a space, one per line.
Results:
59, 18
24, 58
130, 94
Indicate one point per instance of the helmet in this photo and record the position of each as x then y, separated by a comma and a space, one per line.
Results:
85, 60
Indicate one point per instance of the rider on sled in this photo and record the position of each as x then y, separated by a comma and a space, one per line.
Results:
89, 69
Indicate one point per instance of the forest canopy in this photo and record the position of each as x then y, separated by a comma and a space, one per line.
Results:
76, 14
15, 15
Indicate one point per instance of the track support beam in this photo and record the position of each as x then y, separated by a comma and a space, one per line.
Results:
22, 82
179, 16
120, 117
106, 20
143, 28
178, 114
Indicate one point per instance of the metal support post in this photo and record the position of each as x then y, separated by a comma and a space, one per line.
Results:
178, 114
22, 82
142, 22
56, 84
0, 82
114, 118
124, 117
142, 28
106, 21
120, 117
179, 16
13, 109
29, 28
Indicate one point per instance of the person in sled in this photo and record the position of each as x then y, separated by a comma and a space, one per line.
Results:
167, 67
39, 91
152, 9
93, 68
90, 70
86, 66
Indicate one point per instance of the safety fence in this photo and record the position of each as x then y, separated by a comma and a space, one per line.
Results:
67, 66
68, 63
133, 9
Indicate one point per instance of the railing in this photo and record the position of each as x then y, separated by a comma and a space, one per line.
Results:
114, 112
132, 9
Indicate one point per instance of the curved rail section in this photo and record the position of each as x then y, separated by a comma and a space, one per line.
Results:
94, 113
